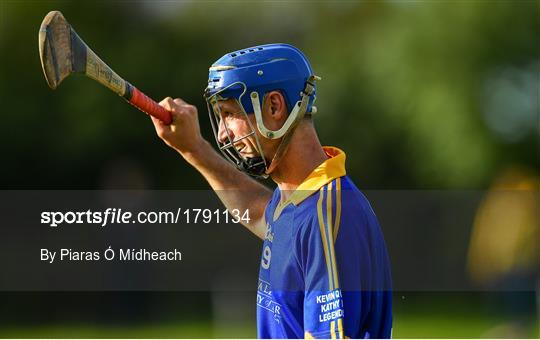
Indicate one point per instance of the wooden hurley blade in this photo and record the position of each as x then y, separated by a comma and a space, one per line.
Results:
63, 52
55, 48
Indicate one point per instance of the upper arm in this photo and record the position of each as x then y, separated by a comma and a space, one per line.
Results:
258, 227
257, 219
235, 189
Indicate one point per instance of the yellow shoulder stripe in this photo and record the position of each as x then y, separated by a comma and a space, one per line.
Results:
330, 238
322, 230
338, 208
327, 236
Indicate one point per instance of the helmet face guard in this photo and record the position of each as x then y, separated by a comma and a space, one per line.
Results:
254, 166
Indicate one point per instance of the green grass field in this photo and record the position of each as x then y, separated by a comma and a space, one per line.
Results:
405, 326
416, 315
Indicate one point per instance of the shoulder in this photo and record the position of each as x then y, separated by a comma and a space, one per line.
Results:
338, 204
340, 193
315, 216
353, 199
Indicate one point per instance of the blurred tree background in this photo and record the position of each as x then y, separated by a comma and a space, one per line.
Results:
421, 95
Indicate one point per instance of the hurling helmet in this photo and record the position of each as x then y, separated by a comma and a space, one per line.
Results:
246, 76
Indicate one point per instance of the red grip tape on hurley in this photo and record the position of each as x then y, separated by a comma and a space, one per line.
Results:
149, 106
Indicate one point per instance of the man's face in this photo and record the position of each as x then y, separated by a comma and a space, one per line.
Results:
242, 129
238, 126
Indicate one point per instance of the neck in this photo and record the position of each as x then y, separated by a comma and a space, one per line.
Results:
303, 155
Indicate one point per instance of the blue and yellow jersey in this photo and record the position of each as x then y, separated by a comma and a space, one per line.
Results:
325, 271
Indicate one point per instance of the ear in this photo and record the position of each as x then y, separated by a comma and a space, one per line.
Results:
276, 106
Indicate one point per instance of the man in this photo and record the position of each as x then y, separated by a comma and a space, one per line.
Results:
324, 270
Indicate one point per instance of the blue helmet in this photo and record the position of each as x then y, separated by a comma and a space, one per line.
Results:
247, 75
262, 68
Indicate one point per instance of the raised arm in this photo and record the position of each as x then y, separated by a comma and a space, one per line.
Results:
234, 188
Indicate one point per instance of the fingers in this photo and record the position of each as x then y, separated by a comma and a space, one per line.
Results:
162, 129
173, 104
179, 101
183, 134
176, 107
179, 109
168, 104
158, 124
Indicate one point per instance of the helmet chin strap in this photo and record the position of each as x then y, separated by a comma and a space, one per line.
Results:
254, 166
288, 128
281, 150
